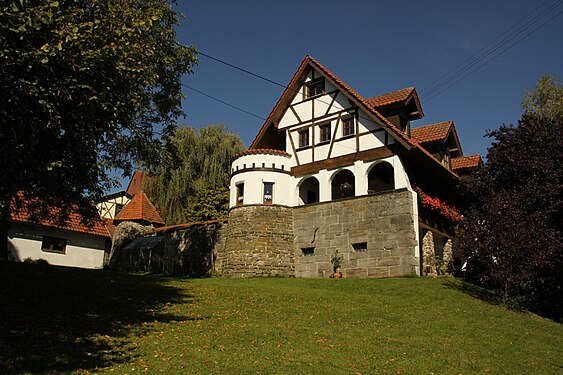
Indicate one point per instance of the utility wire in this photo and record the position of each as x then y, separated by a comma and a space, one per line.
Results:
443, 83
474, 55
460, 75
224, 102
460, 78
241, 69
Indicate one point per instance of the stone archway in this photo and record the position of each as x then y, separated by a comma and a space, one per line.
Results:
343, 185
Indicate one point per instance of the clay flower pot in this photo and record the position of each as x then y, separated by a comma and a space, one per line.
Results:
336, 275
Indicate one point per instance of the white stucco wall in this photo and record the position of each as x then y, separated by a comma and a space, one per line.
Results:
255, 169
106, 208
83, 250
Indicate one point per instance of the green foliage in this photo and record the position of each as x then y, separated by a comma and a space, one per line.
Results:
209, 204
197, 162
512, 228
546, 100
336, 260
83, 85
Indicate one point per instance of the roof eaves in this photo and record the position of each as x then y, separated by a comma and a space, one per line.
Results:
286, 92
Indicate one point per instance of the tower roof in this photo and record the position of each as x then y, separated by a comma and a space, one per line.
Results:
140, 208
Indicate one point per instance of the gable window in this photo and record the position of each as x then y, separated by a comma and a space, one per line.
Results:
240, 194
325, 132
53, 245
304, 138
118, 208
268, 192
348, 126
314, 87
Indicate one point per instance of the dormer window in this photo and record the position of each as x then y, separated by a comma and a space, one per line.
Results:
314, 87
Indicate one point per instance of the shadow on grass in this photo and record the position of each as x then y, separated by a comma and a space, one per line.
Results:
55, 319
473, 290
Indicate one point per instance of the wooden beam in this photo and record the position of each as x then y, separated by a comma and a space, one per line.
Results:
341, 161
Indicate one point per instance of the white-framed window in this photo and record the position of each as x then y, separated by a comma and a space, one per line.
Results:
53, 245
268, 192
240, 194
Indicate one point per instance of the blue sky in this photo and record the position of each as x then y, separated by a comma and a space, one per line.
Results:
375, 47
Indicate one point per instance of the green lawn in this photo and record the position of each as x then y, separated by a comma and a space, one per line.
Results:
67, 320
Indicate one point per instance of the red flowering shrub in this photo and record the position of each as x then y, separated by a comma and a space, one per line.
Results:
440, 207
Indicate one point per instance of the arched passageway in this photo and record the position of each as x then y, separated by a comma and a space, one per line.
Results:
309, 191
381, 178
343, 185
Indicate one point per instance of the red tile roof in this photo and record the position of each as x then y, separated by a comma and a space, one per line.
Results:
140, 208
261, 151
136, 183
73, 221
471, 161
110, 226
433, 132
391, 97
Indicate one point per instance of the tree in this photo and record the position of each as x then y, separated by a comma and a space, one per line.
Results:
512, 229
197, 162
83, 84
209, 204
546, 100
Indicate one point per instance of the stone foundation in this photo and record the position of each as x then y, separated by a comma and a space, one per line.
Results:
259, 242
375, 234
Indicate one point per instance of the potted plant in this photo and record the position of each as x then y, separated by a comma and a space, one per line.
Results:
336, 261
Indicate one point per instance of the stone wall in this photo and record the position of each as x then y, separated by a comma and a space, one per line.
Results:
259, 242
437, 257
376, 236
187, 249
195, 249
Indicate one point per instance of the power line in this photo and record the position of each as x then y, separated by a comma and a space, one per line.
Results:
462, 77
480, 59
473, 56
443, 83
241, 69
224, 102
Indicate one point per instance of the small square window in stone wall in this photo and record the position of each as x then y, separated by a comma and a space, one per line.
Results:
308, 251
360, 246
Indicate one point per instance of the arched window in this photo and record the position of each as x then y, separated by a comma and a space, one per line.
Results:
343, 185
309, 191
381, 178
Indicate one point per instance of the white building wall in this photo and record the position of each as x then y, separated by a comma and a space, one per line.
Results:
83, 250
255, 169
106, 209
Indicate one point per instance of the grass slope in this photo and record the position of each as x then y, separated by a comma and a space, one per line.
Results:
68, 320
